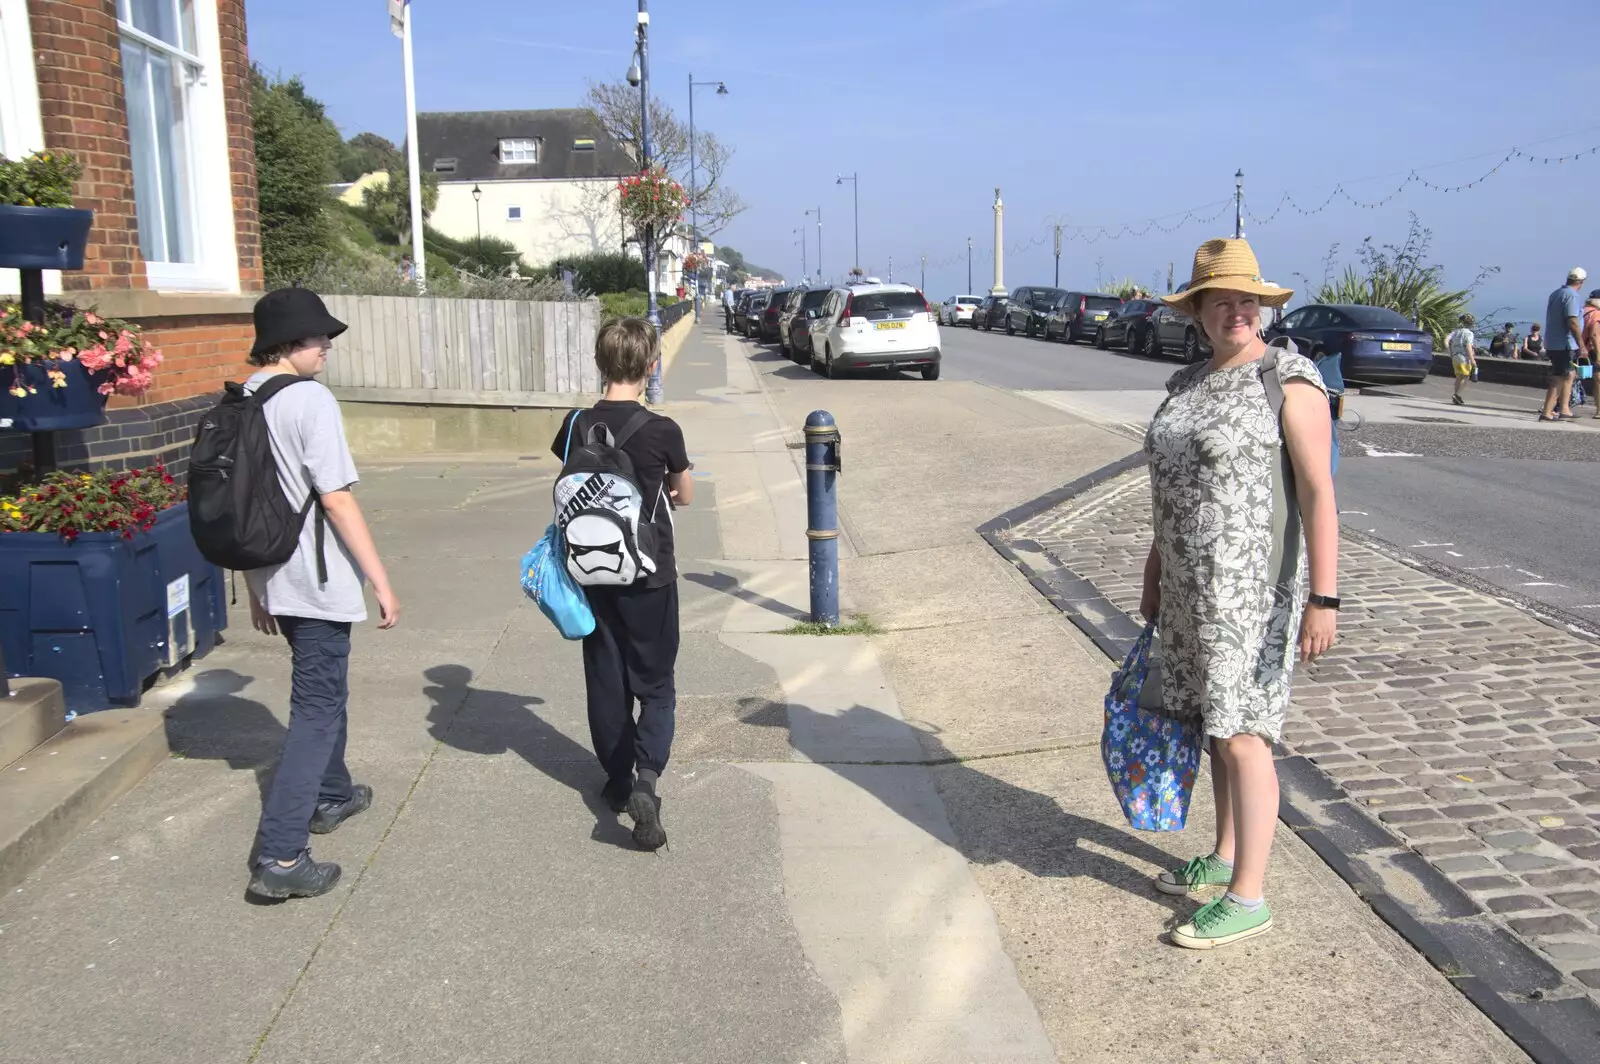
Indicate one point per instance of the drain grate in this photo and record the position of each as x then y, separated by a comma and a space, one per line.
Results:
1432, 420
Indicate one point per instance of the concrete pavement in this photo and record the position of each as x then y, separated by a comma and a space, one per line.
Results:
889, 848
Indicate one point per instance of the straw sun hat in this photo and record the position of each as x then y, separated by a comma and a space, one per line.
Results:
1229, 264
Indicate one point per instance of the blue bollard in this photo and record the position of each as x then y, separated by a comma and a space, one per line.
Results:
822, 514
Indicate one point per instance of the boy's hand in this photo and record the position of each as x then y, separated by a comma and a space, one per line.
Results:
262, 621
388, 608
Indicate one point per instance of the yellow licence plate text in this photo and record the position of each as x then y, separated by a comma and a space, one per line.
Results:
1396, 347
891, 325
1100, 317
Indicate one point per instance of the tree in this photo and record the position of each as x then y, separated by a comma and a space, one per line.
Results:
614, 106
367, 153
389, 202
296, 149
1399, 277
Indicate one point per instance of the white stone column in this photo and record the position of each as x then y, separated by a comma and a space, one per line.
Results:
999, 288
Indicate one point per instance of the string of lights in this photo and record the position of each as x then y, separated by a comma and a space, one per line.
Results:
1170, 223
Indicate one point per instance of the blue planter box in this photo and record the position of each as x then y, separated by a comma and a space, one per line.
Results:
104, 614
77, 406
43, 238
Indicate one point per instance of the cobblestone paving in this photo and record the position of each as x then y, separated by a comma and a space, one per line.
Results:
1468, 727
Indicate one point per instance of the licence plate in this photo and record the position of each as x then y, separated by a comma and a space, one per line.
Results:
1396, 347
1101, 317
890, 325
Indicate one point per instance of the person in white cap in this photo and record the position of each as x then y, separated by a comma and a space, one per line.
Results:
1563, 326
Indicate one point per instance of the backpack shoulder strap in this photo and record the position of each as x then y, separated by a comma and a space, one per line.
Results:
629, 427
572, 423
275, 384
1272, 381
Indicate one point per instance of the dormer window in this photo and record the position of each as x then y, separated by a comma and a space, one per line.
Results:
583, 144
444, 166
519, 150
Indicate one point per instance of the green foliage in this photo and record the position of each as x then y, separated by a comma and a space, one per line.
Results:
389, 202
857, 625
1400, 278
367, 153
740, 270
296, 146
43, 179
634, 304
375, 275
1121, 287
600, 273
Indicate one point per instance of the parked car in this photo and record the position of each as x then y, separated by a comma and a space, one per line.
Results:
1127, 326
1030, 307
800, 328
876, 326
958, 310
791, 307
750, 312
767, 332
989, 313
1374, 345
1076, 317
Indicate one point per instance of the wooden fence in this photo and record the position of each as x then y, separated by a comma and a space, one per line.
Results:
495, 350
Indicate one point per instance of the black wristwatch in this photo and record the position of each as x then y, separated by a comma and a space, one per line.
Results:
1325, 601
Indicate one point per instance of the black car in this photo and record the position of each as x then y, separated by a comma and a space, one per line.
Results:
750, 312
991, 312
768, 331
1078, 316
1374, 345
1030, 308
1128, 325
800, 325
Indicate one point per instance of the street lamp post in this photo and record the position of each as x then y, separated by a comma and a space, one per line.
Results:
801, 233
924, 285
477, 211
1058, 254
694, 206
855, 191
400, 26
639, 74
969, 264
1238, 204
818, 213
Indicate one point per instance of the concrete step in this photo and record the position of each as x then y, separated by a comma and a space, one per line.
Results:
34, 712
53, 792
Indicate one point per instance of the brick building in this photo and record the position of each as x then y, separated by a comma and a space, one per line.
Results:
153, 97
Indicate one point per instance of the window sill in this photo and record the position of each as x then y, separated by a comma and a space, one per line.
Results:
144, 305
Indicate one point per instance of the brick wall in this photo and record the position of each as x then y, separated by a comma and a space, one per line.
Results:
79, 64
198, 354
241, 141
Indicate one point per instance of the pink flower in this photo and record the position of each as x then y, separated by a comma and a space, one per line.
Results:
89, 316
106, 389
104, 335
124, 342
95, 359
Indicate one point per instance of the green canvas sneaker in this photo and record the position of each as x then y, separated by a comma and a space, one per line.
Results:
1222, 923
1202, 872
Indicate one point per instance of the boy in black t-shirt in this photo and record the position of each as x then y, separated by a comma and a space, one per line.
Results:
633, 650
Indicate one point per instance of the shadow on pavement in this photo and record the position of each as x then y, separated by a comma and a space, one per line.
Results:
501, 721
729, 585
1010, 823
212, 722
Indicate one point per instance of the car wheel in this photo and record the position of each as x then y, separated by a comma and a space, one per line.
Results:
827, 364
1191, 347
1100, 338
1152, 342
1011, 330
930, 373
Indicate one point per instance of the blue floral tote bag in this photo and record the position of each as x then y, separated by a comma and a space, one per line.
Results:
1151, 759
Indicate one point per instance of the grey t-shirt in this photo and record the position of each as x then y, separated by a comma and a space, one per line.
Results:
309, 446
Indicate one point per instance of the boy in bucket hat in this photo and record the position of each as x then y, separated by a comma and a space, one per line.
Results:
312, 599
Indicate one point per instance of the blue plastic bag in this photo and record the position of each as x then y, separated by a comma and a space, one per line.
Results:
545, 580
1152, 760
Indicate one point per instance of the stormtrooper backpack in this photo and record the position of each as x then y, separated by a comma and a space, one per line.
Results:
608, 537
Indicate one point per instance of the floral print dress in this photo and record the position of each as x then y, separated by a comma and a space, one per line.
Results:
1228, 625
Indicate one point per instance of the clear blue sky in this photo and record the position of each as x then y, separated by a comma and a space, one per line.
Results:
1087, 112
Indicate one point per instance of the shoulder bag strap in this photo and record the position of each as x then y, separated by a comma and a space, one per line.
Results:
629, 427
572, 423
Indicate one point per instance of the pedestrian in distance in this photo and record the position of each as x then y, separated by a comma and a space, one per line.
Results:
312, 599
1591, 338
632, 654
1533, 346
1229, 592
1463, 348
1563, 322
1504, 343
727, 308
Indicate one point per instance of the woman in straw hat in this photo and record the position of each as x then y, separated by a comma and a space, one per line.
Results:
1232, 593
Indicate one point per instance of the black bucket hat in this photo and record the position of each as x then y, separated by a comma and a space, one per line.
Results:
285, 315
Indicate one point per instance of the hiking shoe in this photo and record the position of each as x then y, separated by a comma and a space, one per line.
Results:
1222, 923
330, 815
1202, 872
616, 794
1458, 401
303, 879
645, 809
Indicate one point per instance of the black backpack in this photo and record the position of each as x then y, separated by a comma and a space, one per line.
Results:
238, 513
